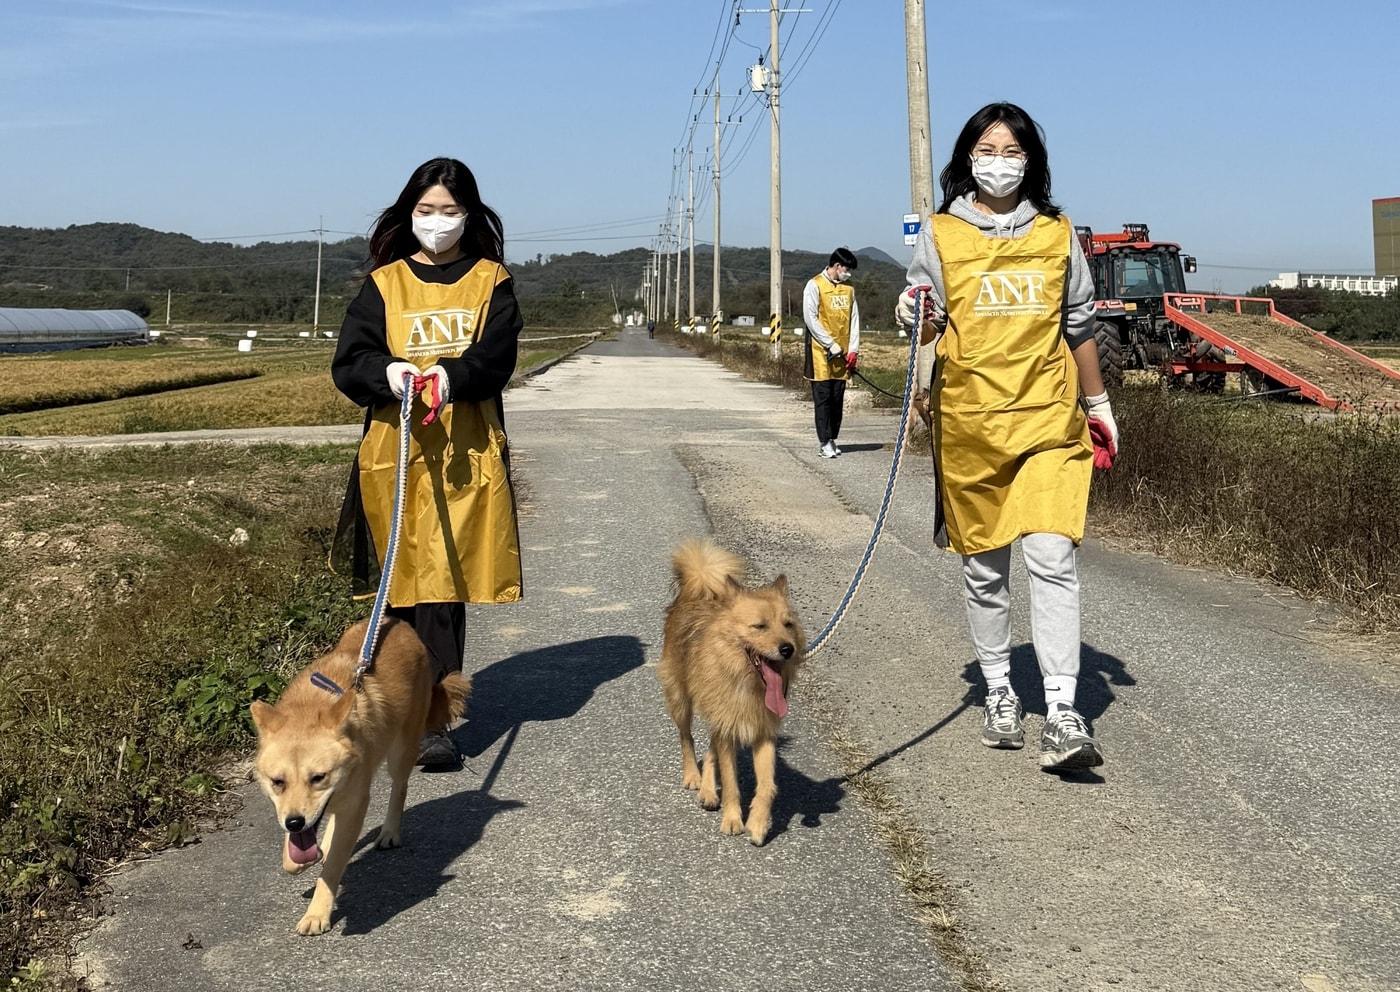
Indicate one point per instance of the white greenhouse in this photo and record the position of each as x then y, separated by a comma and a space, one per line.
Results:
24, 329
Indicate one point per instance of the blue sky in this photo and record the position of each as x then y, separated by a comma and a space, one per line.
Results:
1254, 133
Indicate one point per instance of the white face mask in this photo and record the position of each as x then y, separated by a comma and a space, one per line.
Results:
840, 276
1000, 177
438, 232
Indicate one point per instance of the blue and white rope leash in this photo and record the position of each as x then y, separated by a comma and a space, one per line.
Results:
386, 573
822, 638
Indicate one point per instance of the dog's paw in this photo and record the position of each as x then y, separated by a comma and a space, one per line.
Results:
314, 923
691, 780
758, 832
387, 841
709, 799
732, 824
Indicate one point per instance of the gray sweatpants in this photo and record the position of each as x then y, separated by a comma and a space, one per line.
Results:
1054, 612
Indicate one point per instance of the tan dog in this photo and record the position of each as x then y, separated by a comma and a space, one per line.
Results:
731, 653
319, 748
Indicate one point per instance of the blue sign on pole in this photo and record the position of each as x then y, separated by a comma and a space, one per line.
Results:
912, 226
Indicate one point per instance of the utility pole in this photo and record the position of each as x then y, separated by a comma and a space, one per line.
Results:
775, 224
772, 85
714, 288
916, 72
690, 220
679, 222
316, 313
128, 280
167, 309
666, 282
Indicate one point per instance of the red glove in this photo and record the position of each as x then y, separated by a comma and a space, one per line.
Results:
1104, 448
852, 360
427, 384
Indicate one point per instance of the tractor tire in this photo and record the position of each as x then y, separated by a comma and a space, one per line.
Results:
1111, 358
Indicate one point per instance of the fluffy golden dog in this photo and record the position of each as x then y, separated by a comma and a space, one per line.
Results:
320, 746
730, 653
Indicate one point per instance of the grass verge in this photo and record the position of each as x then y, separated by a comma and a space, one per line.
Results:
137, 637
1312, 503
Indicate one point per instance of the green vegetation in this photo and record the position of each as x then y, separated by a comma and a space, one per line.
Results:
273, 282
136, 635
1344, 316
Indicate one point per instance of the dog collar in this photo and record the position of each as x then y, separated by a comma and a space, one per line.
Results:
325, 682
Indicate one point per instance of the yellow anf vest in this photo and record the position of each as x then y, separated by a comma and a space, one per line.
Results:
458, 539
1012, 442
834, 311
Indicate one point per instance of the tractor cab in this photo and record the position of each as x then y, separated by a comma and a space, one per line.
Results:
1131, 273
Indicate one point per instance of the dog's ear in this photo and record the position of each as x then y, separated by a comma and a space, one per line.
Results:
264, 716
781, 584
732, 587
336, 714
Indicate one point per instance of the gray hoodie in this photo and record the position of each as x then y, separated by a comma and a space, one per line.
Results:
927, 270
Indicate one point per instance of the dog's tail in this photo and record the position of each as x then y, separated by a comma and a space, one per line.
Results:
449, 700
704, 570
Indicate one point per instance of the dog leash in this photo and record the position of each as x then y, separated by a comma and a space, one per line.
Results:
411, 385
822, 638
861, 376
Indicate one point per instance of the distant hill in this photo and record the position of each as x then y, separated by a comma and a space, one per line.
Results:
876, 255
129, 266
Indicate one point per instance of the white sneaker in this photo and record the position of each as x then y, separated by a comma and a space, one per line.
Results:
835, 447
828, 450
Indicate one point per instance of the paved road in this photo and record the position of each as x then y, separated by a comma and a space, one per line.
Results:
1241, 836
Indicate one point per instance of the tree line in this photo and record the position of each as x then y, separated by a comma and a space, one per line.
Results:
129, 267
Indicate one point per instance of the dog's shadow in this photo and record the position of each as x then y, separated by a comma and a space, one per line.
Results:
800, 797
552, 683
379, 885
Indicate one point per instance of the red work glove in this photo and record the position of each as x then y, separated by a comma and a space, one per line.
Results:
433, 385
1104, 448
852, 360
1103, 430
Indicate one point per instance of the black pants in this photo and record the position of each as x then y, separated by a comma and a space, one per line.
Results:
442, 629
828, 398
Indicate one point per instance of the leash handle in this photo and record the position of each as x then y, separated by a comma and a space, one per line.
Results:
386, 573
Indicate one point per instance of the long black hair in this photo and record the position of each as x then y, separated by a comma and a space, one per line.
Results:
392, 236
956, 177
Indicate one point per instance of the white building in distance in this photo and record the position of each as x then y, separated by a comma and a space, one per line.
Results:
1365, 285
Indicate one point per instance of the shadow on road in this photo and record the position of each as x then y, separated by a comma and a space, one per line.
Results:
552, 683
1098, 673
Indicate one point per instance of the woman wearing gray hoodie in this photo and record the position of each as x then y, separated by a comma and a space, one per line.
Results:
1019, 412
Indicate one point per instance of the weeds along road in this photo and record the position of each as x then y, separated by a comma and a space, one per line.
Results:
1240, 836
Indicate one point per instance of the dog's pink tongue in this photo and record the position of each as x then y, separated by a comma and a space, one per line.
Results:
773, 696
302, 847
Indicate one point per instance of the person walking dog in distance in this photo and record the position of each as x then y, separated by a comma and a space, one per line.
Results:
832, 318
1019, 412
439, 306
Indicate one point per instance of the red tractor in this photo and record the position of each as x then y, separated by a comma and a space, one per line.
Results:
1131, 273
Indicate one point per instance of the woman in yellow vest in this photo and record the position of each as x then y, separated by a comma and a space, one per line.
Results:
438, 305
832, 319
1015, 389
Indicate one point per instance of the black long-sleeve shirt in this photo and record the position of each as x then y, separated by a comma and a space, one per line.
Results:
481, 372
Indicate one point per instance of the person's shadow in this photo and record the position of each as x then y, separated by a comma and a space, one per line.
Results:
1098, 674
552, 683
